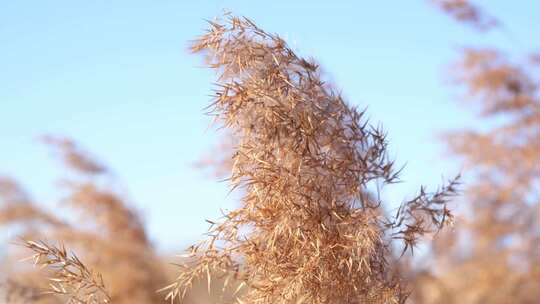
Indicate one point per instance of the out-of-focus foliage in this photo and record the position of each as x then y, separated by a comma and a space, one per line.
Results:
494, 256
466, 12
101, 227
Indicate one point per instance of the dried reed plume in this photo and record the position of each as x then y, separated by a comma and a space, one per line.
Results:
308, 230
73, 156
15, 292
497, 245
493, 256
466, 12
71, 278
101, 226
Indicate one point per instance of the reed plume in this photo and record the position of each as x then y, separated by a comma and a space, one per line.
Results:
70, 277
100, 225
465, 11
308, 229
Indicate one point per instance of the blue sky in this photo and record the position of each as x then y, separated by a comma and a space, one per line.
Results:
115, 76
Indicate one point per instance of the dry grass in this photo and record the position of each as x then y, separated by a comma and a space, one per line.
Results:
494, 255
70, 278
310, 228
467, 12
307, 230
94, 220
496, 246
14, 292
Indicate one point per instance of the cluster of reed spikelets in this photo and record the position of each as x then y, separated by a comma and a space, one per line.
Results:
100, 224
308, 228
493, 256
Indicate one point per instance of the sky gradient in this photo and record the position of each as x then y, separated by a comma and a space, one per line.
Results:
116, 77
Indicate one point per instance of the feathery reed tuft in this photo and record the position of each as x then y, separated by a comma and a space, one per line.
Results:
308, 229
101, 226
466, 12
70, 277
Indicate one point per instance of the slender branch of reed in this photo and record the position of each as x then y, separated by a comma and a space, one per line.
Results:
70, 277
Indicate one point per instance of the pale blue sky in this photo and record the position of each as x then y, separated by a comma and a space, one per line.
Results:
115, 76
